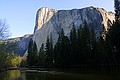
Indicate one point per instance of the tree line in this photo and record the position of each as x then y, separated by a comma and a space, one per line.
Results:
81, 48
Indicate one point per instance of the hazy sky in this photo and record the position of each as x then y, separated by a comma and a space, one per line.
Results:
20, 14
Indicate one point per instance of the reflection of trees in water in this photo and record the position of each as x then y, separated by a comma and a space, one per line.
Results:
17, 75
12, 75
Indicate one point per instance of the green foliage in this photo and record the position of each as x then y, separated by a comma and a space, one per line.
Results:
24, 60
7, 47
81, 48
32, 54
9, 60
30, 50
113, 36
14, 60
61, 50
42, 57
73, 46
49, 52
35, 54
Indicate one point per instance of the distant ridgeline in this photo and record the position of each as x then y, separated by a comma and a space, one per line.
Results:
18, 45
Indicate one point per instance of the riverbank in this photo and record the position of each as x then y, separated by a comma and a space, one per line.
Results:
80, 69
53, 75
10, 68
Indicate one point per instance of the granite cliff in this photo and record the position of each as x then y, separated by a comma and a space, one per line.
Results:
50, 22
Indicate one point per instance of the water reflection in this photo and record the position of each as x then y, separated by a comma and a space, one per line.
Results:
11, 75
17, 75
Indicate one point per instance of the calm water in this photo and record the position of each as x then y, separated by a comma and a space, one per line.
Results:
53, 75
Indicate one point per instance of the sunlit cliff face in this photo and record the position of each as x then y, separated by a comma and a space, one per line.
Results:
43, 15
50, 22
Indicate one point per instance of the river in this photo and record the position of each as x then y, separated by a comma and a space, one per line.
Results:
54, 75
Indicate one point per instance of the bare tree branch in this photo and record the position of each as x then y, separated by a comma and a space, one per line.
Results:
4, 30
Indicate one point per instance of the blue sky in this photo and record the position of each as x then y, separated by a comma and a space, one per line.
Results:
21, 14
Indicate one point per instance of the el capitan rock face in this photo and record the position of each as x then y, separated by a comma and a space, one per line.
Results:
50, 22
43, 15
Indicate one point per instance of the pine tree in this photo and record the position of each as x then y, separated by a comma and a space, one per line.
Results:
99, 54
35, 54
30, 50
32, 54
93, 45
57, 50
73, 41
42, 57
114, 33
62, 50
80, 45
65, 47
86, 43
49, 52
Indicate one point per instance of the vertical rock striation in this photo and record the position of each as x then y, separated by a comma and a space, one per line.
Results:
43, 15
50, 22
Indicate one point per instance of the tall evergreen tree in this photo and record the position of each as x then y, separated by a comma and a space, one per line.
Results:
114, 33
80, 45
65, 51
42, 56
57, 52
73, 41
49, 52
35, 54
30, 50
58, 49
62, 51
32, 54
93, 45
86, 43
